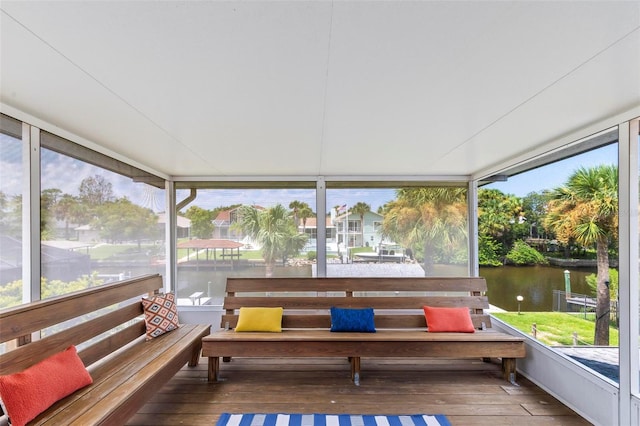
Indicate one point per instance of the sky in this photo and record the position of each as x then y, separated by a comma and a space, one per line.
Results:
556, 174
62, 172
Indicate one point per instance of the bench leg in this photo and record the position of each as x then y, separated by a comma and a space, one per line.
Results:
355, 370
214, 369
195, 356
509, 370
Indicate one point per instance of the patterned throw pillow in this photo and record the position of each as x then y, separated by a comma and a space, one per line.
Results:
160, 314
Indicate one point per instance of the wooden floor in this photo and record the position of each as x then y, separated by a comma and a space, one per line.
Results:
467, 392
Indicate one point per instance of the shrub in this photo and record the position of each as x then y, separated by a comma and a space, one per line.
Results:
523, 254
311, 255
488, 251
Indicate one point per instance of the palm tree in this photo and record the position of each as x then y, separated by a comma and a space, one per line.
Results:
361, 209
432, 217
585, 210
305, 213
274, 230
296, 206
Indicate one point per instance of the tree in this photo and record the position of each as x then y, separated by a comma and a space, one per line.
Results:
201, 222
592, 282
361, 209
295, 207
498, 216
489, 251
95, 190
301, 212
121, 220
69, 209
534, 206
10, 215
434, 217
305, 213
585, 209
273, 229
48, 200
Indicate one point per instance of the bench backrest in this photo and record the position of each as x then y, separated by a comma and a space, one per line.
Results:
119, 319
398, 302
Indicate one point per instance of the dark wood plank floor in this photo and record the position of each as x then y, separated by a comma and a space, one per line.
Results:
467, 392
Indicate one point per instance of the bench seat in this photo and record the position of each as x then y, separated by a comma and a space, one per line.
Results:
126, 368
400, 328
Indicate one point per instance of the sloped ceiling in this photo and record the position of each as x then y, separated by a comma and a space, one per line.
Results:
290, 88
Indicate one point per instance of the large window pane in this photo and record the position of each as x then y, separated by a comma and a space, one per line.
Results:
242, 230
11, 185
549, 251
97, 225
397, 231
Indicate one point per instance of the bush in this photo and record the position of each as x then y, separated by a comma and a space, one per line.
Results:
488, 251
311, 255
523, 254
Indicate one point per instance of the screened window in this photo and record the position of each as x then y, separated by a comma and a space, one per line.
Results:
544, 263
397, 229
259, 229
11, 194
101, 220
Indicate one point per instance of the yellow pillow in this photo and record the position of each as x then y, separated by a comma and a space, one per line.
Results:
260, 319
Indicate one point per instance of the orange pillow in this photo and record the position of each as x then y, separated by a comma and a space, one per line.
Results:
28, 393
457, 320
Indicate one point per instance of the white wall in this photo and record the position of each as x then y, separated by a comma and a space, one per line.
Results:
591, 396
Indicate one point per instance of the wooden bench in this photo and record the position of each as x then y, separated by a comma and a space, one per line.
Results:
126, 369
399, 320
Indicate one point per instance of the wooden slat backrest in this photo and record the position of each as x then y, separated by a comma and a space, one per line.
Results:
376, 302
24, 319
123, 323
399, 300
237, 285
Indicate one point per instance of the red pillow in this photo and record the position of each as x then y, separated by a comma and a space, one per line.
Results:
457, 320
30, 392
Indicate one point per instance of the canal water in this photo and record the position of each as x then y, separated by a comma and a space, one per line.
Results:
534, 283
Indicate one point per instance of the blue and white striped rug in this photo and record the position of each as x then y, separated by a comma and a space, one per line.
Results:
227, 419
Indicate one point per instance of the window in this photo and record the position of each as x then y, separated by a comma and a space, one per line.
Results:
397, 229
242, 229
11, 187
537, 259
101, 220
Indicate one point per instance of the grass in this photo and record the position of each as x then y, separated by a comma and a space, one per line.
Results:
556, 328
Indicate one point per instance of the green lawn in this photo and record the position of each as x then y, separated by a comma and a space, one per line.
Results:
556, 328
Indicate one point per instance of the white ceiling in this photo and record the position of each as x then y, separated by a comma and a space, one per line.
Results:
203, 88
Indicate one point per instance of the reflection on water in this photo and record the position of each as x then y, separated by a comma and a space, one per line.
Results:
534, 283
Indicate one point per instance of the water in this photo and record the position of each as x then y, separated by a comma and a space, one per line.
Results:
534, 283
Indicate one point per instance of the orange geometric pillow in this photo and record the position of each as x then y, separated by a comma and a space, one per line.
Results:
457, 320
160, 314
28, 393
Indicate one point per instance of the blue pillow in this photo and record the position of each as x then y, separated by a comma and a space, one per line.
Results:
355, 320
